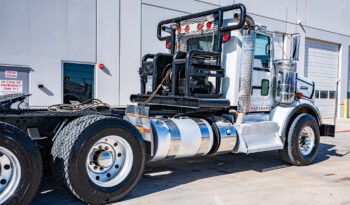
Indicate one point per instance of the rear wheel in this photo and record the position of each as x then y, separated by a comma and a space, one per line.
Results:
20, 166
103, 159
302, 142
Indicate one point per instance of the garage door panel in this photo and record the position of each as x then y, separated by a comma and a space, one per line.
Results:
321, 66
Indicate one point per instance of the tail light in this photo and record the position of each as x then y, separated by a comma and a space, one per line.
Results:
199, 26
208, 25
168, 44
179, 30
226, 37
187, 28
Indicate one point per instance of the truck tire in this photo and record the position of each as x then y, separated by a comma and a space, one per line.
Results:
56, 149
103, 158
20, 166
302, 142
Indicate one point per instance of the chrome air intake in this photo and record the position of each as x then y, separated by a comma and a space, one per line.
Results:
185, 137
285, 92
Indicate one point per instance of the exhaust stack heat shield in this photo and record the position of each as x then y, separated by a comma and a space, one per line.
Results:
246, 67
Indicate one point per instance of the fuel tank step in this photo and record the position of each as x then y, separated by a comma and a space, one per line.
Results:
258, 137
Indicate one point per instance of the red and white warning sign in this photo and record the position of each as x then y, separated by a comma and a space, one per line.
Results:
11, 87
10, 74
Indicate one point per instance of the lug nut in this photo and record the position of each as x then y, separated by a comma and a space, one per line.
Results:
101, 168
100, 147
7, 166
116, 166
91, 163
108, 175
94, 150
115, 144
95, 167
119, 154
106, 148
97, 178
3, 181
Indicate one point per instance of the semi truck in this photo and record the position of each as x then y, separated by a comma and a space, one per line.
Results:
218, 90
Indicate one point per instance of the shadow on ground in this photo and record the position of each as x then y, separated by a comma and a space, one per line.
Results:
167, 174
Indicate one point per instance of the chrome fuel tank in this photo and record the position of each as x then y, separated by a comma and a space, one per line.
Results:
184, 137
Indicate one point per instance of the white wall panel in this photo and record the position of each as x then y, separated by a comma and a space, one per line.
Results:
15, 43
151, 16
188, 6
226, 2
107, 79
272, 8
325, 15
130, 47
41, 34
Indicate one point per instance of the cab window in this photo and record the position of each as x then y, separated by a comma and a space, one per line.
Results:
262, 50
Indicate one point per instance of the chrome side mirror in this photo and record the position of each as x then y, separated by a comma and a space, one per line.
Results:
295, 47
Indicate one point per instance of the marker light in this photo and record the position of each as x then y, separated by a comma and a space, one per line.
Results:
299, 95
208, 25
199, 26
101, 66
187, 28
179, 30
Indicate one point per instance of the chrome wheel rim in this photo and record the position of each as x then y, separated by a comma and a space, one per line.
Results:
109, 161
10, 174
306, 140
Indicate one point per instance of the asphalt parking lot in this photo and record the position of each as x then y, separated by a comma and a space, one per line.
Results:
260, 178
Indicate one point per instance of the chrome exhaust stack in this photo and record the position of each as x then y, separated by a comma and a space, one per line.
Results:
246, 67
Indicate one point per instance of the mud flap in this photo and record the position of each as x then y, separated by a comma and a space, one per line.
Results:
327, 130
138, 116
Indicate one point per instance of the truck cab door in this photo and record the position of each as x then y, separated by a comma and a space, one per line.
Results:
263, 71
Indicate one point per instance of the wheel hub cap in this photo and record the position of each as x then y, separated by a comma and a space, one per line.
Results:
10, 174
109, 161
306, 140
105, 159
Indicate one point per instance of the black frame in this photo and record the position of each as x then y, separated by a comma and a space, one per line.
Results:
219, 12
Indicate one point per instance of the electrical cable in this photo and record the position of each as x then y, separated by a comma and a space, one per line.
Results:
168, 73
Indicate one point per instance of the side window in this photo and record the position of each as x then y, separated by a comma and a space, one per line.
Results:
78, 82
323, 94
262, 50
317, 94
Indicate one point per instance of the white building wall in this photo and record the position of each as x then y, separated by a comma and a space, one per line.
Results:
42, 34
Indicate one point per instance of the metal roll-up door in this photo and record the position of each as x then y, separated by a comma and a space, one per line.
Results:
321, 66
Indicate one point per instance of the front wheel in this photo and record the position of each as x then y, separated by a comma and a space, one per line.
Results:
103, 159
302, 142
